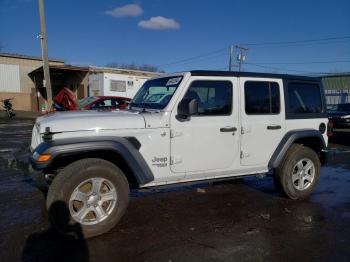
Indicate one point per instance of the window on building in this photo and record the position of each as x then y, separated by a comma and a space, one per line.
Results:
118, 86
304, 98
214, 97
261, 98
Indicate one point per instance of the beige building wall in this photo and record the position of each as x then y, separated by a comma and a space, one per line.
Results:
25, 99
21, 101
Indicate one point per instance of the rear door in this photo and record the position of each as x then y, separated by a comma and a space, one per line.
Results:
262, 119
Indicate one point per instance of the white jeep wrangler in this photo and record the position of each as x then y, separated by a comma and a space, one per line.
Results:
191, 126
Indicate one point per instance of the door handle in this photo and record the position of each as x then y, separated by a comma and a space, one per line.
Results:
274, 127
228, 129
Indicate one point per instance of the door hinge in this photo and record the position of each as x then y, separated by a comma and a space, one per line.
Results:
245, 130
244, 154
175, 160
174, 133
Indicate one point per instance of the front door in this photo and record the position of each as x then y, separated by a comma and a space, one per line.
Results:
209, 140
262, 114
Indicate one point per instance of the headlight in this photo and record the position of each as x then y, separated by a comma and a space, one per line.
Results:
345, 117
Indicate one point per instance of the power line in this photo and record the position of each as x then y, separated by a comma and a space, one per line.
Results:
281, 44
194, 57
199, 59
297, 41
279, 69
302, 63
301, 44
285, 69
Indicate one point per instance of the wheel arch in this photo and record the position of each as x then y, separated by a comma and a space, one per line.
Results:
309, 137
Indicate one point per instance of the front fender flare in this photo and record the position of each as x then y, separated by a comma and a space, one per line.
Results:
125, 147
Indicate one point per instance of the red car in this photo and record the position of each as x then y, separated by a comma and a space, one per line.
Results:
103, 103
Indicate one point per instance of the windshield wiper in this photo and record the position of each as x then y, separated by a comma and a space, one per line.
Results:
143, 106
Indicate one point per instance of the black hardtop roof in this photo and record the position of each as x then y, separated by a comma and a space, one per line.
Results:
253, 74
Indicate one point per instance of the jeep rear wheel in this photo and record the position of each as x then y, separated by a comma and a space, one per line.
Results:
95, 192
298, 173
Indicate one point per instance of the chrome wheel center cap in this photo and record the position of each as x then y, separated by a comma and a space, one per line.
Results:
92, 200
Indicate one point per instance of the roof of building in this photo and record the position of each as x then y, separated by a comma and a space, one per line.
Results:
62, 67
343, 74
11, 55
95, 69
122, 71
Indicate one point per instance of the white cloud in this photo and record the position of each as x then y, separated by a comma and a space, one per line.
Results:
131, 10
159, 23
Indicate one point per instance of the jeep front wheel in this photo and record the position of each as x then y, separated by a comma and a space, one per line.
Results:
298, 173
95, 192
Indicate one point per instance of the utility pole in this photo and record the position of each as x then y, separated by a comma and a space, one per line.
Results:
241, 56
45, 56
230, 64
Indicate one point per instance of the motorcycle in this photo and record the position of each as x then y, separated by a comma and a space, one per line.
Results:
7, 105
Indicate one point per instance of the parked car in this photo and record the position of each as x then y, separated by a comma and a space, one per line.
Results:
103, 103
340, 116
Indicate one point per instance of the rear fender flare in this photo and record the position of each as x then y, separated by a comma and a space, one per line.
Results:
289, 139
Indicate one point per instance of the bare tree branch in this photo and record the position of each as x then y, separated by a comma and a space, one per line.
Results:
132, 66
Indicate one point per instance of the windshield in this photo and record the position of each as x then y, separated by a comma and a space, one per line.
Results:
156, 93
83, 102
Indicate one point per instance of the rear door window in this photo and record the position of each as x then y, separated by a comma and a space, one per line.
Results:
261, 98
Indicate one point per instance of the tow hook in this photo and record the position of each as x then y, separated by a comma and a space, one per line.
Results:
49, 178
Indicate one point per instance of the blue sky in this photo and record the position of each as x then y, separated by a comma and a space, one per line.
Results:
160, 32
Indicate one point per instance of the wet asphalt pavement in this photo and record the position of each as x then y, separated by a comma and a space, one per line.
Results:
244, 220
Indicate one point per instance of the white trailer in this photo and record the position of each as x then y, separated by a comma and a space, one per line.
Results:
116, 82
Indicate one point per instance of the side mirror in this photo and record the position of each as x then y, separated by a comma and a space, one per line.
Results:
186, 108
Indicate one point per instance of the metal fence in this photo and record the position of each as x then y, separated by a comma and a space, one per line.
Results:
335, 97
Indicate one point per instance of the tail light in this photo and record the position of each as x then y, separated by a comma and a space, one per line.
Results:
330, 128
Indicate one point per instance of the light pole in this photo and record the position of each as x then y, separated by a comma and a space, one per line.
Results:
45, 56
241, 56
230, 64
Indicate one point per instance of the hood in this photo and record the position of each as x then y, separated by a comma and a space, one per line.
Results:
90, 120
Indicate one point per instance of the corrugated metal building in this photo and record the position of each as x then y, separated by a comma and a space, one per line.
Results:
337, 88
15, 82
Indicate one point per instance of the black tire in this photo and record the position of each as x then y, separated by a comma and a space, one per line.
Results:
68, 180
283, 174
